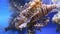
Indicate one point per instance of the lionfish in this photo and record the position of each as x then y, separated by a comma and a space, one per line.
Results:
26, 16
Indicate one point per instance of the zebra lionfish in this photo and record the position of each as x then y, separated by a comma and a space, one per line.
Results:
27, 15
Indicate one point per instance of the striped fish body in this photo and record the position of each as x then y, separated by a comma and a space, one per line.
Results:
31, 15
40, 12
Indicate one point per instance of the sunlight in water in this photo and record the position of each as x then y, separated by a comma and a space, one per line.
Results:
54, 1
57, 2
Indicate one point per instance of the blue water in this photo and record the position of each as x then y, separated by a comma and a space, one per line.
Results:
5, 14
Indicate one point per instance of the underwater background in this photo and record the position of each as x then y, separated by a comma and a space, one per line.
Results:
5, 15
